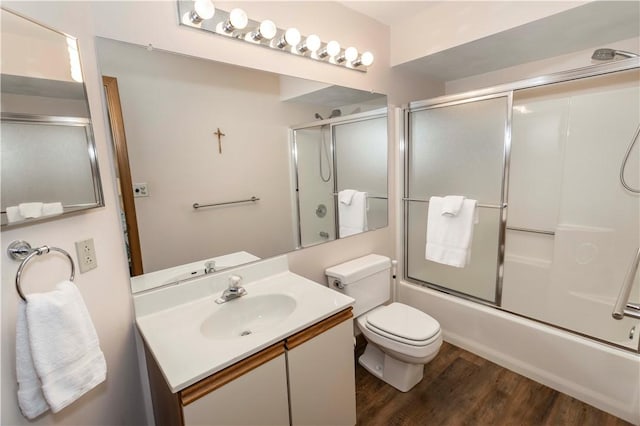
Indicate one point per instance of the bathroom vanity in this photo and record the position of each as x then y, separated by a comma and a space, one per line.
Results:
282, 354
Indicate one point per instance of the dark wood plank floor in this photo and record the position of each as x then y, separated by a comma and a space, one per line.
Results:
460, 388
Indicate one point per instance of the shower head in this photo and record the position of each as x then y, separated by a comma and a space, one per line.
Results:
335, 113
608, 54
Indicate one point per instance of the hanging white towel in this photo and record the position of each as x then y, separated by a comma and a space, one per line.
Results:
64, 345
352, 218
13, 214
30, 397
452, 204
50, 209
449, 238
346, 196
30, 210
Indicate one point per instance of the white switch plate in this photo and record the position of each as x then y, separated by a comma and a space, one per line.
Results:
86, 255
140, 190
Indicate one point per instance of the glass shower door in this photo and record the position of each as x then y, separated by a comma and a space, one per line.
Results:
315, 181
458, 149
573, 229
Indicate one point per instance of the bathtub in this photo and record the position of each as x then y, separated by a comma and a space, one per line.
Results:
600, 375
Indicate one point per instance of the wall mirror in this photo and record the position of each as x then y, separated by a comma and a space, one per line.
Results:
48, 159
236, 164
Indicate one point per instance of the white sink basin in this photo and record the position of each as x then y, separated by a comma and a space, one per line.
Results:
247, 315
192, 337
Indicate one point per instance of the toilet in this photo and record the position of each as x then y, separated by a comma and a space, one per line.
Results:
400, 339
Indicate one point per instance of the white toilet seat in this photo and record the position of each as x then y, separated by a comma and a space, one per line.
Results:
407, 350
403, 324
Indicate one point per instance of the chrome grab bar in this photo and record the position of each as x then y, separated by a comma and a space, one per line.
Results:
622, 307
249, 200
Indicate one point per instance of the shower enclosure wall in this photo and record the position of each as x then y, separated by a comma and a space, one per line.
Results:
557, 231
333, 155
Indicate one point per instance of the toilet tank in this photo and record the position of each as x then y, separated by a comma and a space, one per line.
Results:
367, 279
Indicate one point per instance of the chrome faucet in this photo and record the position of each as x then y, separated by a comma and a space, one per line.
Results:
233, 291
209, 266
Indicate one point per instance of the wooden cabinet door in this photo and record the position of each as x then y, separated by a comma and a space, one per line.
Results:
322, 378
258, 397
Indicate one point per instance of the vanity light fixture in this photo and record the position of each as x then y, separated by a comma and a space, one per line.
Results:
237, 20
291, 37
365, 59
267, 30
202, 10
311, 44
332, 49
235, 24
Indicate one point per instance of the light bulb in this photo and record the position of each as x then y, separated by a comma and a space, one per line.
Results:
351, 54
237, 20
202, 9
311, 43
267, 29
333, 48
291, 37
365, 59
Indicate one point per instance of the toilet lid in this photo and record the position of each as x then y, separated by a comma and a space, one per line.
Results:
403, 321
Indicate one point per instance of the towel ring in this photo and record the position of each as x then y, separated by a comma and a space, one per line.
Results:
21, 250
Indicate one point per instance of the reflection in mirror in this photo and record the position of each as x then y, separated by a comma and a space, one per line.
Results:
48, 156
216, 135
343, 159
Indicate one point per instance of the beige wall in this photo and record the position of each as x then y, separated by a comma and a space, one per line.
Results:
106, 289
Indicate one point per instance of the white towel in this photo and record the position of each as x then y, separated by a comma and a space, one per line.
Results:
30, 397
13, 214
452, 204
64, 345
30, 210
352, 218
449, 238
50, 209
346, 196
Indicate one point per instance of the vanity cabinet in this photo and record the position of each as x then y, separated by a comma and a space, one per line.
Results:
306, 379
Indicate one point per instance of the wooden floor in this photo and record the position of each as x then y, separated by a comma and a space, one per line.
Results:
460, 388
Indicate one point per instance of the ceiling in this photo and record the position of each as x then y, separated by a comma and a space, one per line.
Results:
594, 24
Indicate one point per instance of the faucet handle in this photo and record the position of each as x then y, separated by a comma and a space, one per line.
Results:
235, 280
209, 266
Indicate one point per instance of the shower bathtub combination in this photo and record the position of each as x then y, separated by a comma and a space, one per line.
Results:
555, 168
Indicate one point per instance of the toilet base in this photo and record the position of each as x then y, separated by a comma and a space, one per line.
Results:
401, 375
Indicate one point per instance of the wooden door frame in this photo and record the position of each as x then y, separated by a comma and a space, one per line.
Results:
119, 138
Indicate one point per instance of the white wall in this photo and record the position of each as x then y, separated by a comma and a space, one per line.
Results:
106, 289
445, 24
547, 66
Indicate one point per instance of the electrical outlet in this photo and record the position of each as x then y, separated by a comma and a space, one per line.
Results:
140, 190
86, 255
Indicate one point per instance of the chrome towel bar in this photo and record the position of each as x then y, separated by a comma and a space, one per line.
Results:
21, 250
249, 200
486, 206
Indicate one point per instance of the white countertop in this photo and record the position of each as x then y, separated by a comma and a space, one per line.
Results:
170, 319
